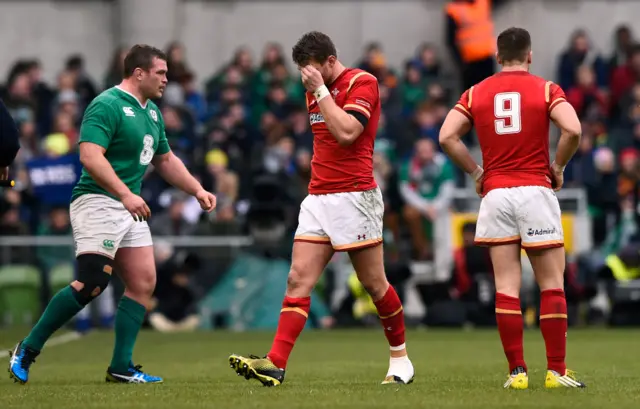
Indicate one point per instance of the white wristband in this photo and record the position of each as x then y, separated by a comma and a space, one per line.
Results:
321, 92
477, 174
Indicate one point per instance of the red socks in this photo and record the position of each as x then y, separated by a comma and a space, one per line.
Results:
553, 325
392, 318
511, 328
293, 318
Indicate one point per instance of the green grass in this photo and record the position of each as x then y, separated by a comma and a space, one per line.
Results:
454, 369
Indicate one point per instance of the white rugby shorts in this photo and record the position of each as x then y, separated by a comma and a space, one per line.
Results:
102, 225
347, 221
529, 215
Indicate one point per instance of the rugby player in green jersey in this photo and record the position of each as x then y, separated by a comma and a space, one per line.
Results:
122, 133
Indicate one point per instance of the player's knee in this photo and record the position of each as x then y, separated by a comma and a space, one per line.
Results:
376, 288
508, 287
143, 286
298, 283
94, 274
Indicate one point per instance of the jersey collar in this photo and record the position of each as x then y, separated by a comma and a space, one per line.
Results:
143, 106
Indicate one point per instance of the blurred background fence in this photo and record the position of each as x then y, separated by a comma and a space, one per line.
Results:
234, 111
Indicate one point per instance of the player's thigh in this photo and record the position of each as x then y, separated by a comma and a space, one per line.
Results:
99, 223
507, 268
308, 262
309, 228
353, 220
497, 223
137, 269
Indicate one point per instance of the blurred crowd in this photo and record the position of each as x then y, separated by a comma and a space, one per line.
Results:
245, 129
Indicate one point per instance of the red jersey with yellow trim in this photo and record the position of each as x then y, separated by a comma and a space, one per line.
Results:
510, 112
335, 168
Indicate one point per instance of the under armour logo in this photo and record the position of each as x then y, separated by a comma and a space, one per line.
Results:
362, 237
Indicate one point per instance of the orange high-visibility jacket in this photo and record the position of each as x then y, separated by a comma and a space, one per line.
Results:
474, 36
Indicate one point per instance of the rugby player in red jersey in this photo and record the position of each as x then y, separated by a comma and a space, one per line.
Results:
343, 211
511, 112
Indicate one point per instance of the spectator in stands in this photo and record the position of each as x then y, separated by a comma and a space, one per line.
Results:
82, 83
176, 62
57, 224
11, 225
113, 76
224, 182
580, 52
628, 176
472, 279
375, 62
587, 99
179, 219
413, 89
175, 294
623, 43
581, 170
470, 39
624, 77
426, 185
19, 100
629, 106
603, 197
195, 102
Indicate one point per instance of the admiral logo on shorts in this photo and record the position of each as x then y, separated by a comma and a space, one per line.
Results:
542, 232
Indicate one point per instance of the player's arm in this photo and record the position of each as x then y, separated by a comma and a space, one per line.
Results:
457, 124
99, 124
566, 119
346, 124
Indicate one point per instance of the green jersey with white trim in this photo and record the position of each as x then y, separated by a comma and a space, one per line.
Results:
130, 132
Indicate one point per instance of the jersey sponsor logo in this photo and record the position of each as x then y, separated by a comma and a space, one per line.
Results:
540, 232
363, 103
128, 111
108, 244
316, 118
154, 115
147, 150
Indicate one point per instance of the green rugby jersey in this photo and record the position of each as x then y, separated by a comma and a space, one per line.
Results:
130, 132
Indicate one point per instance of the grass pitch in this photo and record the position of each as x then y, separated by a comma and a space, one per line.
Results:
338, 369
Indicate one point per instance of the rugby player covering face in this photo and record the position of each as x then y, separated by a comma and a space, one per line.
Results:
343, 211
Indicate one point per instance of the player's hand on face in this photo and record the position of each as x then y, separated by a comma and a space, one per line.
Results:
311, 78
207, 200
137, 207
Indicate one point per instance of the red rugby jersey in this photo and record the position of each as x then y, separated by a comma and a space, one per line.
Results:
510, 112
335, 168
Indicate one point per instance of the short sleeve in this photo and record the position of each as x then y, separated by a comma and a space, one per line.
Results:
464, 103
363, 94
99, 123
554, 95
163, 142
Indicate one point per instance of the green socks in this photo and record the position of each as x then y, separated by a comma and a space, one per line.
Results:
129, 319
62, 307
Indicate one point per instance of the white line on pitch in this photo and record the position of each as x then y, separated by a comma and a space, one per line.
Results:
57, 340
